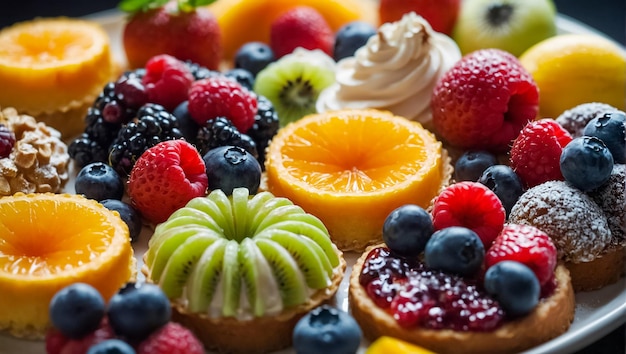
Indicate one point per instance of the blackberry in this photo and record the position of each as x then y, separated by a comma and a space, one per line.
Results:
84, 151
152, 125
221, 132
200, 72
264, 128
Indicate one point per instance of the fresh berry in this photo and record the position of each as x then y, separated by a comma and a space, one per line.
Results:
514, 285
381, 263
200, 72
83, 150
611, 129
484, 101
167, 81
187, 126
471, 205
57, 343
525, 244
172, 338
165, 178
230, 167
111, 346
131, 90
137, 310
327, 329
575, 119
130, 215
99, 181
7, 141
350, 37
242, 76
471, 164
221, 132
440, 14
536, 152
586, 163
221, 97
77, 310
265, 126
505, 183
301, 26
153, 125
455, 250
254, 57
407, 229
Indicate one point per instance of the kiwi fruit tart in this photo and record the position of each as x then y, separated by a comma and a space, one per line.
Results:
243, 266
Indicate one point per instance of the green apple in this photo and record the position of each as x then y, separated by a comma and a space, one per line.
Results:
511, 25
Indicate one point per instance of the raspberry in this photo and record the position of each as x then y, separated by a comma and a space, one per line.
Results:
537, 150
222, 97
302, 26
7, 141
167, 81
484, 101
57, 343
471, 205
525, 244
165, 178
171, 339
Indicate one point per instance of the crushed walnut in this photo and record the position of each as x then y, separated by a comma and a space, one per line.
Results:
39, 160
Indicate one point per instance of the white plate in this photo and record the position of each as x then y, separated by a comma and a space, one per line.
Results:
597, 312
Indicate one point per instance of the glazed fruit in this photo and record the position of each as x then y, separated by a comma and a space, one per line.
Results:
611, 129
442, 15
407, 230
351, 37
326, 329
169, 339
109, 346
455, 250
230, 167
471, 165
128, 213
167, 81
165, 178
586, 163
99, 181
301, 26
351, 184
77, 310
505, 183
254, 57
386, 344
514, 285
492, 113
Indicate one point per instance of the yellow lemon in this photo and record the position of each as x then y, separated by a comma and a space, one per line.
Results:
384, 345
572, 69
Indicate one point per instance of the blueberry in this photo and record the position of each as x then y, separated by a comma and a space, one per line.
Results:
505, 183
77, 310
456, 250
328, 330
243, 76
407, 229
351, 37
130, 215
254, 57
229, 167
137, 310
111, 346
186, 124
611, 129
472, 164
99, 181
514, 285
586, 163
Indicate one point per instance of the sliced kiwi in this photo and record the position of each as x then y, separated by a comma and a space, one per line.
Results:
239, 199
265, 209
166, 242
279, 214
205, 276
294, 83
223, 203
254, 205
181, 263
218, 211
259, 283
291, 281
231, 279
191, 216
309, 262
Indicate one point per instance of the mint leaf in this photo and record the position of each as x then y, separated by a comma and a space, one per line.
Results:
140, 5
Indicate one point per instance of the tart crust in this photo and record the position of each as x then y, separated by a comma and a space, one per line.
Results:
604, 270
551, 318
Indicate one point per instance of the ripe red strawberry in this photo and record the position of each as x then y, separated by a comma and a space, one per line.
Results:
221, 97
167, 81
57, 343
525, 244
165, 178
471, 205
171, 339
301, 26
484, 100
186, 31
536, 152
441, 14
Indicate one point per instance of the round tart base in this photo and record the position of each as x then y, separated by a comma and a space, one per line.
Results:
551, 318
602, 271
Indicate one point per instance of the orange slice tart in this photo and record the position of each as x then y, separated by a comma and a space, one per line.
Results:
48, 241
53, 68
351, 168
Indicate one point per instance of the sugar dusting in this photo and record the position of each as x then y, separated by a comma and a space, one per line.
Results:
611, 197
574, 120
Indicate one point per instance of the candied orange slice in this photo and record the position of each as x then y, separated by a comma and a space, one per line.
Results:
48, 241
351, 168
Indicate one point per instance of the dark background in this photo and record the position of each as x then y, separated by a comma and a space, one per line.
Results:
608, 16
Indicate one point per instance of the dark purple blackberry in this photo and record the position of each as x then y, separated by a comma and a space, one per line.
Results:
200, 72
264, 128
7, 141
221, 132
84, 151
152, 125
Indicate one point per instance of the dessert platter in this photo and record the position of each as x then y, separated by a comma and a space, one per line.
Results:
344, 257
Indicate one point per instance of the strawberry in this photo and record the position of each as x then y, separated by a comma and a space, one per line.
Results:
184, 29
471, 205
525, 244
302, 26
167, 81
441, 14
484, 100
165, 178
536, 152
171, 339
